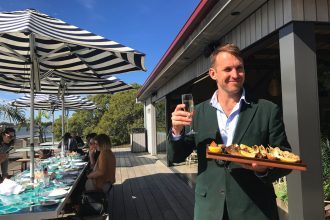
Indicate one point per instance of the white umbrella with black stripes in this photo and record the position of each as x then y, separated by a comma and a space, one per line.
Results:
53, 102
42, 54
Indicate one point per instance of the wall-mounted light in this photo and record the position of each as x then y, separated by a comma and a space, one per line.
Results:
154, 94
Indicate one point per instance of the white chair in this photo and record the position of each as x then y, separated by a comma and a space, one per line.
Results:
191, 158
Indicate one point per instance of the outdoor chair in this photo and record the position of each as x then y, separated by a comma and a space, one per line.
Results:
192, 158
95, 203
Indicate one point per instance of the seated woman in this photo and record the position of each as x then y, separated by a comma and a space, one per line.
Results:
93, 153
103, 175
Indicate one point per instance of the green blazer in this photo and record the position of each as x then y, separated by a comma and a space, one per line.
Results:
246, 195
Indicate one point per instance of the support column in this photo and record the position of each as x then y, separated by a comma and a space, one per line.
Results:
151, 127
301, 118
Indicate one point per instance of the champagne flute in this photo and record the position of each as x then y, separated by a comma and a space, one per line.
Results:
188, 100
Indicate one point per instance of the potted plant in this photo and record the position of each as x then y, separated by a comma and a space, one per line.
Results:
281, 192
325, 154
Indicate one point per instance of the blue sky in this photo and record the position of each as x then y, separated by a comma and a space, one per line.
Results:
147, 26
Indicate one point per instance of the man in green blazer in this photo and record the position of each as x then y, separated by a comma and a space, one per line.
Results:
227, 190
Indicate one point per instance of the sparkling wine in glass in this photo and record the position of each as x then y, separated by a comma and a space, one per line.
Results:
188, 100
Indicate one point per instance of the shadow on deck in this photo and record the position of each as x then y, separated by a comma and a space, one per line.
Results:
146, 189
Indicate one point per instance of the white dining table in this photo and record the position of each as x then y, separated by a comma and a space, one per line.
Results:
45, 212
36, 148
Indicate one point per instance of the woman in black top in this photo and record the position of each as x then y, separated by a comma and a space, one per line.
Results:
7, 139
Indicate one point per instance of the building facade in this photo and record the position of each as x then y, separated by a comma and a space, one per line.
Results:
286, 50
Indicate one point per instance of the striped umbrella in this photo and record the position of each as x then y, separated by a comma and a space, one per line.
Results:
30, 37
53, 102
47, 55
65, 85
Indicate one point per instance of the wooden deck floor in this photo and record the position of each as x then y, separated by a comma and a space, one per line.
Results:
146, 189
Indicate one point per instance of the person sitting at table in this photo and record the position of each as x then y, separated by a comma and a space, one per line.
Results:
70, 144
7, 139
79, 140
93, 153
103, 175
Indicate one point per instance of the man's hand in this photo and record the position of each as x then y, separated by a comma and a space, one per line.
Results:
255, 167
3, 157
180, 119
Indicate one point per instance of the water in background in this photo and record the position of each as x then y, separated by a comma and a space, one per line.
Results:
24, 132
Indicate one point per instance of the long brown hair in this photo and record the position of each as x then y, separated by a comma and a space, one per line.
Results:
103, 141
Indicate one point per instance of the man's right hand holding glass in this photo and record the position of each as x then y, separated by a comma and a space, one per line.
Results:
180, 118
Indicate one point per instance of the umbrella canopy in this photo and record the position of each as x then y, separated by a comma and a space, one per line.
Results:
44, 54
56, 85
32, 40
53, 102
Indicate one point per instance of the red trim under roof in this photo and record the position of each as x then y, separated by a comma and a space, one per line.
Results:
196, 17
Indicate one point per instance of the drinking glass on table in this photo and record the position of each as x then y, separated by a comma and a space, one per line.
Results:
188, 100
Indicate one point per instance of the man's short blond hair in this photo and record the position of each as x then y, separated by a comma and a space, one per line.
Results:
229, 48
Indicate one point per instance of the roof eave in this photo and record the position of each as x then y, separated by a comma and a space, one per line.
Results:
196, 17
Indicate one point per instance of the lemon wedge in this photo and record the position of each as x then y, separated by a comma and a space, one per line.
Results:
215, 149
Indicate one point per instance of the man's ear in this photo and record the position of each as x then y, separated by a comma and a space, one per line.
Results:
212, 73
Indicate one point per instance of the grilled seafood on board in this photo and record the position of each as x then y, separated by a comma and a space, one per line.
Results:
261, 152
215, 148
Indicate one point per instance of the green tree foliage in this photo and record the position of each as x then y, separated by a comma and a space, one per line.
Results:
325, 154
58, 128
82, 122
115, 115
123, 115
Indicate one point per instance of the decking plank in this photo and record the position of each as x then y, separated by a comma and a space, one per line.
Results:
172, 195
146, 189
138, 193
180, 195
182, 187
117, 208
130, 208
157, 189
150, 201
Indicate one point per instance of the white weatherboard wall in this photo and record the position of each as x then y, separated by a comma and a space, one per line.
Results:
150, 121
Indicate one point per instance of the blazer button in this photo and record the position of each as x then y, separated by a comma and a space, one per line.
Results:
222, 191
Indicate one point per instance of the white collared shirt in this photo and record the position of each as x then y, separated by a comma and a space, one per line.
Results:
228, 125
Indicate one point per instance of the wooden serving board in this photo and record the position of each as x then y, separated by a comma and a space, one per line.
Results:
263, 162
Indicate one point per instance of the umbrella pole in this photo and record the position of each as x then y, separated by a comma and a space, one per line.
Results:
32, 75
67, 119
62, 97
53, 127
32, 136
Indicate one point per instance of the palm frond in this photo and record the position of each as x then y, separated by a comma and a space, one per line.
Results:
12, 114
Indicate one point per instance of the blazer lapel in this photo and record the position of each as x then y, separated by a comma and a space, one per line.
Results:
211, 115
246, 115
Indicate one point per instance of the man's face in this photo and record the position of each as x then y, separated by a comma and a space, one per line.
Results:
229, 73
7, 137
